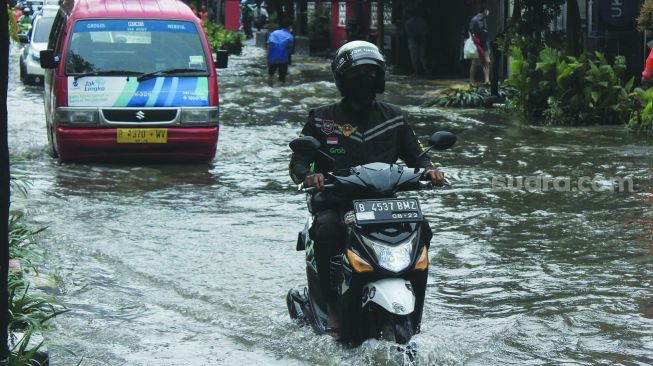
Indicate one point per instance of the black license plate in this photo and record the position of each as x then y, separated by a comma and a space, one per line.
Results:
387, 210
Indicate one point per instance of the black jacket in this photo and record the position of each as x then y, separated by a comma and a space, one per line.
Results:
380, 135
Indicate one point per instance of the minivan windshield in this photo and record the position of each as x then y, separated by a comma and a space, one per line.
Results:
136, 47
42, 30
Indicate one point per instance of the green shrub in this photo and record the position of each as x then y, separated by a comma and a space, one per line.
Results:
642, 119
27, 312
567, 90
223, 39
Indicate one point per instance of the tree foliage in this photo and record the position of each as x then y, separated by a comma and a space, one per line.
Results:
529, 26
645, 18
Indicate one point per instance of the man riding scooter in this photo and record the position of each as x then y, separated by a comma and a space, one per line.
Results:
25, 20
354, 131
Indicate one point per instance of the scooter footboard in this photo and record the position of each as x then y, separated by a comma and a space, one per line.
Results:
392, 294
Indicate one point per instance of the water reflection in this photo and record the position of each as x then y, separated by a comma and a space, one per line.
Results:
130, 180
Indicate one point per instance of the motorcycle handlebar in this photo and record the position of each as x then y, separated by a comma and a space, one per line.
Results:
427, 184
423, 184
313, 189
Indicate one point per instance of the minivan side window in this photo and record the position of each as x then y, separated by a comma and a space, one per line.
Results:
56, 34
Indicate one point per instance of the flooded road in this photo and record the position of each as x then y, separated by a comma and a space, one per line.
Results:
190, 264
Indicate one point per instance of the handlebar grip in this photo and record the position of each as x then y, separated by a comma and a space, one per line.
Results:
313, 189
427, 184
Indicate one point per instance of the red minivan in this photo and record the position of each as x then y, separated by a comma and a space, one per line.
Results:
130, 79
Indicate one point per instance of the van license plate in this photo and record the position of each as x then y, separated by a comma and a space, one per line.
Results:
142, 135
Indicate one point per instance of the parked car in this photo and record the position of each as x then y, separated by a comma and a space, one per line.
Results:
31, 71
130, 79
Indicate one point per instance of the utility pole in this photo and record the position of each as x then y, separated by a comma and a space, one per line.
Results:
379, 24
4, 184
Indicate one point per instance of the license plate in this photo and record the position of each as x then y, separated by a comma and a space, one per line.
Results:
141, 135
387, 210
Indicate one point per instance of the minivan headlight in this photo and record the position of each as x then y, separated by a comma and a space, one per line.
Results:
199, 116
393, 258
36, 57
77, 116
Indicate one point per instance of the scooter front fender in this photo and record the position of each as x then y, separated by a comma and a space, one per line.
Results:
393, 294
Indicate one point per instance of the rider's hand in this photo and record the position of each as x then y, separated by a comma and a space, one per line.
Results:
436, 176
315, 180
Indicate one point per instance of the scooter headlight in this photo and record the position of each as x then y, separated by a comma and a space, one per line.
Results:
393, 258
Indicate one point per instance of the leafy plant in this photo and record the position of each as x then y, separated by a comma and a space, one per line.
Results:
20, 239
642, 119
20, 355
223, 39
468, 97
19, 184
27, 310
568, 90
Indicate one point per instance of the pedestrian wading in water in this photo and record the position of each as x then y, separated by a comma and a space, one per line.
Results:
279, 48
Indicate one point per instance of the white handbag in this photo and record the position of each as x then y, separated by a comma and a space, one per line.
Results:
470, 51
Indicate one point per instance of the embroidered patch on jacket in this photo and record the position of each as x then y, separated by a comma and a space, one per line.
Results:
347, 129
328, 127
338, 150
332, 141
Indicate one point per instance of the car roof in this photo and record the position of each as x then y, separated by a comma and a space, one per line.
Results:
50, 10
158, 9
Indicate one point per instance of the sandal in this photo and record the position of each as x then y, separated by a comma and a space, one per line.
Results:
333, 332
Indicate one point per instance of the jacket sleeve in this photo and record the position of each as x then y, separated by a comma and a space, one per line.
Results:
648, 70
410, 148
300, 163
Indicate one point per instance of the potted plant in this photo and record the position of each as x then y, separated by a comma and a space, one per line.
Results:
222, 39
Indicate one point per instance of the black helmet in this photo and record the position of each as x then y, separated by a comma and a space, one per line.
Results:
354, 54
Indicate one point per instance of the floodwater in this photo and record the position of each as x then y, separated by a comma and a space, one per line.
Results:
189, 264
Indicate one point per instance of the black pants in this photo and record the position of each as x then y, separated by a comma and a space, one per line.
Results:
329, 234
283, 71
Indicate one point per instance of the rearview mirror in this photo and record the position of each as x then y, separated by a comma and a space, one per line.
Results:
442, 140
304, 144
221, 59
48, 59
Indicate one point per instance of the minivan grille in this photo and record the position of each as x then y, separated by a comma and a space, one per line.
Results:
139, 115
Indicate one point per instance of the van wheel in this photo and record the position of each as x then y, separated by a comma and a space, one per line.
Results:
52, 151
22, 73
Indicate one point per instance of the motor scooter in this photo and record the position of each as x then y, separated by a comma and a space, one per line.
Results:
380, 278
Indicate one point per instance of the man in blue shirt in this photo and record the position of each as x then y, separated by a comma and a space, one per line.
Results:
280, 46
